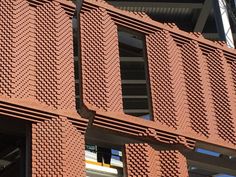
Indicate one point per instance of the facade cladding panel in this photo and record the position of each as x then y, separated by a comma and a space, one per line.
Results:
192, 87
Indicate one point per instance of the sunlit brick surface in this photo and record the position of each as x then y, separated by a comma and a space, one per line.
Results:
223, 96
191, 83
100, 60
16, 34
57, 149
196, 75
173, 163
144, 160
54, 57
37, 53
162, 73
192, 87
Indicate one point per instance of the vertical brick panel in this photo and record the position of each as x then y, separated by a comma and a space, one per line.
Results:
223, 96
197, 79
16, 54
233, 72
75, 152
173, 164
57, 149
167, 81
54, 57
100, 61
141, 161
144, 161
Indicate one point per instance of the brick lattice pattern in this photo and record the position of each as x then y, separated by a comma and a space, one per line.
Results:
100, 60
166, 79
16, 35
142, 160
54, 57
173, 164
57, 149
192, 86
223, 96
36, 52
197, 88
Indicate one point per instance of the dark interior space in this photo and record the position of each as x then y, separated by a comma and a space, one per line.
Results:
13, 148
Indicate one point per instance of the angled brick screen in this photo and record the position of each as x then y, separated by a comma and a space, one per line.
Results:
100, 60
233, 70
192, 80
16, 33
166, 80
196, 75
36, 53
192, 89
57, 149
173, 163
223, 96
54, 57
143, 160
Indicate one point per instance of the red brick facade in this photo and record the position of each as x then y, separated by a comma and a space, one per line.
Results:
192, 86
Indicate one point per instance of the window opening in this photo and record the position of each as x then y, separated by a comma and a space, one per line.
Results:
207, 163
134, 74
13, 148
101, 160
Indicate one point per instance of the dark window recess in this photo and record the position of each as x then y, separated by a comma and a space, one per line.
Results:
76, 60
14, 147
12, 156
135, 84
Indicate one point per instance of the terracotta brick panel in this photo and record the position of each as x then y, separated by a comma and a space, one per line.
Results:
223, 96
166, 79
16, 33
173, 164
198, 93
54, 57
100, 61
233, 73
141, 161
144, 161
36, 54
57, 149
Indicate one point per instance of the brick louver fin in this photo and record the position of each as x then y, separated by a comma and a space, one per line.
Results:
16, 54
143, 160
173, 164
223, 96
57, 149
167, 80
232, 66
197, 79
54, 57
100, 61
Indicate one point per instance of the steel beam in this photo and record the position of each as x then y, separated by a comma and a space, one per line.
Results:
201, 21
222, 22
156, 4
